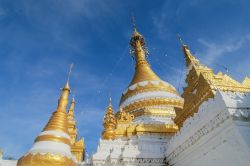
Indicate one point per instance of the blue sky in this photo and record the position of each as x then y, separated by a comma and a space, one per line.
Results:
39, 40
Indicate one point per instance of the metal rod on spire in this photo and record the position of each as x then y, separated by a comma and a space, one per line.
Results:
133, 21
73, 94
110, 99
70, 69
179, 37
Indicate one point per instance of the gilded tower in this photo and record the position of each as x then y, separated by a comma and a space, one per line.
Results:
148, 98
144, 122
109, 123
77, 145
202, 84
52, 145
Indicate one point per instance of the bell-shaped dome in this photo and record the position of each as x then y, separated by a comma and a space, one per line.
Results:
146, 88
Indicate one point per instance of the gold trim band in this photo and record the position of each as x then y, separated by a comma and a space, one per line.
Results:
53, 138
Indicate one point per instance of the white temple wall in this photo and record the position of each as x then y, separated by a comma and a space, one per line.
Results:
8, 162
218, 135
133, 151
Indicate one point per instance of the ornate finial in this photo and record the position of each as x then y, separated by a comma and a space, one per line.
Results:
73, 95
70, 69
179, 37
109, 123
133, 22
139, 52
63, 100
110, 101
137, 42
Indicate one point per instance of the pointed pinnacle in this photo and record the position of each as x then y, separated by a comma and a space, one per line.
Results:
110, 101
133, 22
179, 37
67, 83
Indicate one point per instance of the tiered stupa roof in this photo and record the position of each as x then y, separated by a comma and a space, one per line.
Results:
146, 88
109, 123
77, 145
52, 145
202, 84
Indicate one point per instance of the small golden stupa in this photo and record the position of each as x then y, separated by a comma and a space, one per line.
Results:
52, 147
109, 123
77, 145
147, 97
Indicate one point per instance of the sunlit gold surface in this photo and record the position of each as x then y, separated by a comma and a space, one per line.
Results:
202, 84
71, 122
149, 88
78, 149
153, 102
53, 138
77, 146
57, 122
155, 112
143, 71
145, 80
123, 121
160, 128
139, 129
109, 123
45, 160
123, 117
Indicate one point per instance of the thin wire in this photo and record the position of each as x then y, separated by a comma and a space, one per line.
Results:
106, 79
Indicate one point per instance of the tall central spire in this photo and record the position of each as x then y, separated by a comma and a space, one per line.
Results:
143, 72
146, 88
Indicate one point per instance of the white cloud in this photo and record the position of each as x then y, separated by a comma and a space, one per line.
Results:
215, 50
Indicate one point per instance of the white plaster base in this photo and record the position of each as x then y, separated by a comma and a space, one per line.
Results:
136, 150
218, 135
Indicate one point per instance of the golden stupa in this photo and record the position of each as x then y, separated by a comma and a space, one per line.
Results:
147, 97
202, 84
52, 147
109, 123
145, 80
77, 145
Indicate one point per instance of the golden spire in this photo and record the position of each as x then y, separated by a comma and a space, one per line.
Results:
109, 122
71, 122
110, 101
143, 72
52, 145
144, 81
55, 122
191, 60
72, 108
202, 84
77, 145
63, 101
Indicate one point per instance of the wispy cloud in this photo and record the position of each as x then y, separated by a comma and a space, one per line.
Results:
215, 50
